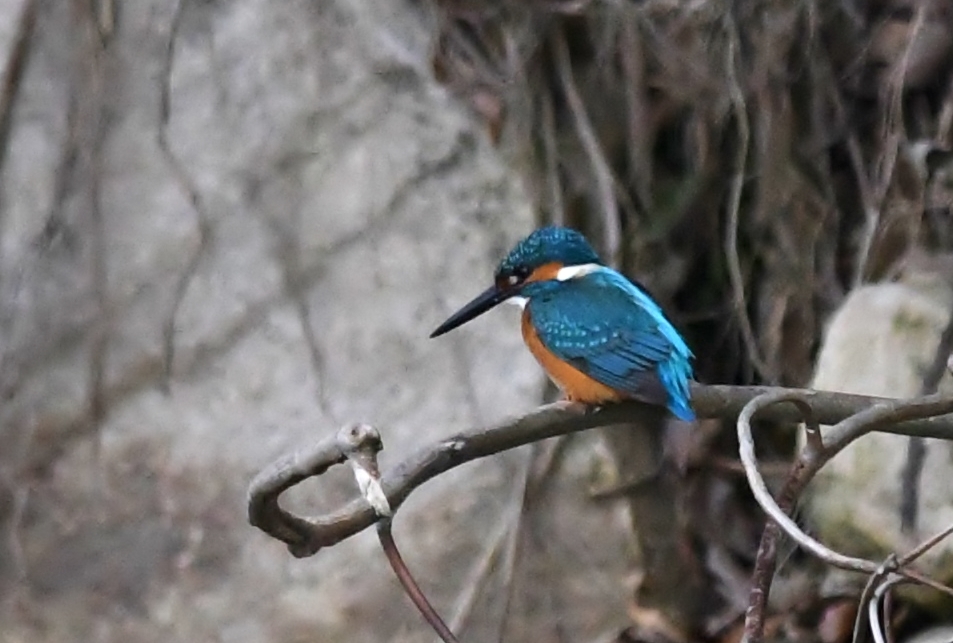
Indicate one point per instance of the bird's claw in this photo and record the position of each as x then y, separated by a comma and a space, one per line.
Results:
581, 408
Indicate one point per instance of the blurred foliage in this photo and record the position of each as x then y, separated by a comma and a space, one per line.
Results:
749, 161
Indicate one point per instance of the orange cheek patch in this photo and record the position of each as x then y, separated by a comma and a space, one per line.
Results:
545, 272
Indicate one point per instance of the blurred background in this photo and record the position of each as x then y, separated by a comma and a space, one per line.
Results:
227, 228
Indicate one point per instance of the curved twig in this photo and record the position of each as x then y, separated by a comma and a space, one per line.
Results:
359, 445
814, 455
916, 447
13, 73
187, 184
873, 582
925, 546
601, 169
841, 435
740, 109
264, 511
854, 415
892, 561
766, 558
411, 588
878, 629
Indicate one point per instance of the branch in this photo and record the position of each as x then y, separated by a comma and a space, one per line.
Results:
917, 448
601, 168
815, 454
880, 582
740, 108
188, 186
359, 445
410, 585
306, 537
13, 73
766, 559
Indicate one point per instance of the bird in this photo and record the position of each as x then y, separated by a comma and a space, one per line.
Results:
599, 336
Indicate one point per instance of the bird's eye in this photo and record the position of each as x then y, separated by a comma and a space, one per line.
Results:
518, 276
514, 277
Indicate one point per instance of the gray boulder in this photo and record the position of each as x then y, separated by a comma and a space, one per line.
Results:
227, 229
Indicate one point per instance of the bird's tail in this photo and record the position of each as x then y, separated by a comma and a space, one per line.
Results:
675, 375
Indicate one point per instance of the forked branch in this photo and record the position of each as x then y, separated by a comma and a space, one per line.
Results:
852, 415
817, 451
306, 537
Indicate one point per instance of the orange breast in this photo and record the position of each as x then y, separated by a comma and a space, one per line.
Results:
577, 386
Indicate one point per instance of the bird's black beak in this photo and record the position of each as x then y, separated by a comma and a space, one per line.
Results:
483, 302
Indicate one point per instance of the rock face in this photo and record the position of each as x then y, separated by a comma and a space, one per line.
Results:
879, 343
228, 228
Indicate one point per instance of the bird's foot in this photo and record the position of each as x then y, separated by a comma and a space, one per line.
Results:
583, 408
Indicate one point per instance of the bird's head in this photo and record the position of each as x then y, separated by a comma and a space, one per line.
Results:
548, 254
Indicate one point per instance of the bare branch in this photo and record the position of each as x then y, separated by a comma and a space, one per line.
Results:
873, 608
872, 584
766, 558
926, 546
264, 511
916, 448
358, 444
361, 443
842, 434
880, 581
307, 537
95, 54
13, 74
740, 109
811, 459
601, 169
410, 585
853, 416
180, 174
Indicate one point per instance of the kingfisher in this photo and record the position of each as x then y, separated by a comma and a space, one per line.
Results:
600, 337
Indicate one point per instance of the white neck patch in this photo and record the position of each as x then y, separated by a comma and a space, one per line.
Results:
516, 300
575, 272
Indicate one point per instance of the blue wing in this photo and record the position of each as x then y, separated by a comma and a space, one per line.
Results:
612, 331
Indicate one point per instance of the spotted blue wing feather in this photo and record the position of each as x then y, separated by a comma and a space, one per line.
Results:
612, 331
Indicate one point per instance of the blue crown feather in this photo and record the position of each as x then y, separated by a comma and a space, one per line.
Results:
547, 245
